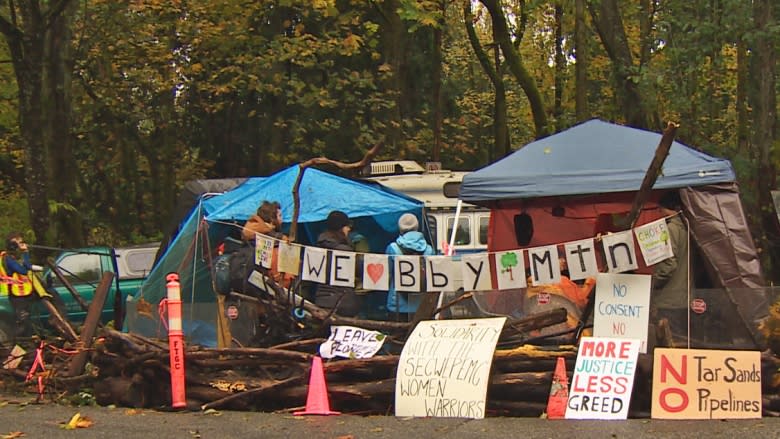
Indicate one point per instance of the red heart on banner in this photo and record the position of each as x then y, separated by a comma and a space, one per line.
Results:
375, 271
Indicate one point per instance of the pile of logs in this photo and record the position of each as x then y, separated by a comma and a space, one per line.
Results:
131, 370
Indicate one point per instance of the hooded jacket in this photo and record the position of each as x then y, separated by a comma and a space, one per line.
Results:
409, 243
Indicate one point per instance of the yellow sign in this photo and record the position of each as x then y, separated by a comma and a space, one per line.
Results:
706, 384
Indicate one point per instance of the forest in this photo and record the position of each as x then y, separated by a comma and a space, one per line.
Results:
107, 107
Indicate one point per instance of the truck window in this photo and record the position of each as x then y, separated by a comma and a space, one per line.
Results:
80, 268
484, 220
462, 234
140, 262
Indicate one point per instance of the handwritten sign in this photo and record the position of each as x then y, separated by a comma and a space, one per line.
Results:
622, 306
603, 378
653, 240
706, 384
351, 342
444, 368
264, 248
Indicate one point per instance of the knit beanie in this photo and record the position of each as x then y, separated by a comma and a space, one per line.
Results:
407, 223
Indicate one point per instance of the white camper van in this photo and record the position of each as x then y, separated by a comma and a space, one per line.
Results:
438, 189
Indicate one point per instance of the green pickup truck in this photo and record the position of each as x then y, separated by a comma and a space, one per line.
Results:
83, 269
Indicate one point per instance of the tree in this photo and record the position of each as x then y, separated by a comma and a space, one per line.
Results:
494, 71
607, 19
29, 30
515, 62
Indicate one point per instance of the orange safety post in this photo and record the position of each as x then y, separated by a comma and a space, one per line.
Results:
175, 341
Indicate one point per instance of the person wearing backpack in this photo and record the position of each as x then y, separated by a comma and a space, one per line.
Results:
410, 241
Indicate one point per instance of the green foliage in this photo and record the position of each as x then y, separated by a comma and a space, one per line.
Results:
169, 91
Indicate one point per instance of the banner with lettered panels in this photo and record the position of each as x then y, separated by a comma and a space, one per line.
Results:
439, 273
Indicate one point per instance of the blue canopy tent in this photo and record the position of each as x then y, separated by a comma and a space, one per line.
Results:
574, 184
373, 208
594, 157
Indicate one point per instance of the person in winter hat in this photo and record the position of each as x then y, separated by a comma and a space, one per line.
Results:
410, 241
336, 237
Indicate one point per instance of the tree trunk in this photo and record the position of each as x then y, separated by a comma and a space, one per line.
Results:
393, 39
59, 68
765, 120
581, 66
609, 25
516, 66
501, 145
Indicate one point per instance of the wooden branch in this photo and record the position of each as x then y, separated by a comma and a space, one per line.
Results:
59, 322
76, 364
322, 161
653, 171
71, 289
254, 392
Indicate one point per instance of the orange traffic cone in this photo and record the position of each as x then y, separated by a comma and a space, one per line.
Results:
317, 400
559, 392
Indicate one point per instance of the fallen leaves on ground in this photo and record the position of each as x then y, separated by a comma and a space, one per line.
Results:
77, 421
12, 435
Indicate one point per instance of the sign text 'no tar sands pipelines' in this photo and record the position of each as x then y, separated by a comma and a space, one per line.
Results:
445, 367
603, 378
706, 384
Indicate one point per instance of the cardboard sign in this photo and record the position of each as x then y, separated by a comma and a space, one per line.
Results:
289, 258
351, 342
706, 384
445, 367
603, 378
622, 307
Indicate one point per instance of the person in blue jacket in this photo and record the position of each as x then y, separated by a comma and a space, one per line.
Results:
409, 242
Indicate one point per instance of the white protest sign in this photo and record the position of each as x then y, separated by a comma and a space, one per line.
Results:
440, 274
654, 242
510, 270
264, 248
314, 263
375, 272
603, 378
444, 368
476, 272
289, 258
622, 307
619, 251
342, 268
407, 274
351, 342
544, 264
581, 259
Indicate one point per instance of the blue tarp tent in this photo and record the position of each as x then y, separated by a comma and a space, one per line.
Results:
373, 208
594, 157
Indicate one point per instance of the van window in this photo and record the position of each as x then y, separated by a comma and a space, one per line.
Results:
433, 227
463, 233
80, 268
484, 220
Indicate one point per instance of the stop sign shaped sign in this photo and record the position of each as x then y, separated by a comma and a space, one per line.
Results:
698, 306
